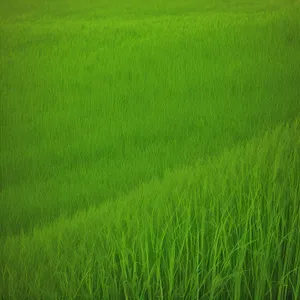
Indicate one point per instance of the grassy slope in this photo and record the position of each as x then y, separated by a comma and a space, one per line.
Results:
225, 229
97, 101
95, 107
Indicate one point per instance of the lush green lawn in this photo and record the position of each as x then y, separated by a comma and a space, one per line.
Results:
134, 156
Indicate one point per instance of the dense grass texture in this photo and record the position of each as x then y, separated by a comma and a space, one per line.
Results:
149, 149
225, 229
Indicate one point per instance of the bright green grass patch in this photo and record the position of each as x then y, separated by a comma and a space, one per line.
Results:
101, 102
19, 10
224, 229
92, 108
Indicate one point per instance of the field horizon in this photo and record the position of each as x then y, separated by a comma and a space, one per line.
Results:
150, 150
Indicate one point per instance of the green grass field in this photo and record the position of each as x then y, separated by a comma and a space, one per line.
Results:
150, 149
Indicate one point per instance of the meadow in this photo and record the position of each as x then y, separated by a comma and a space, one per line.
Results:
150, 149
